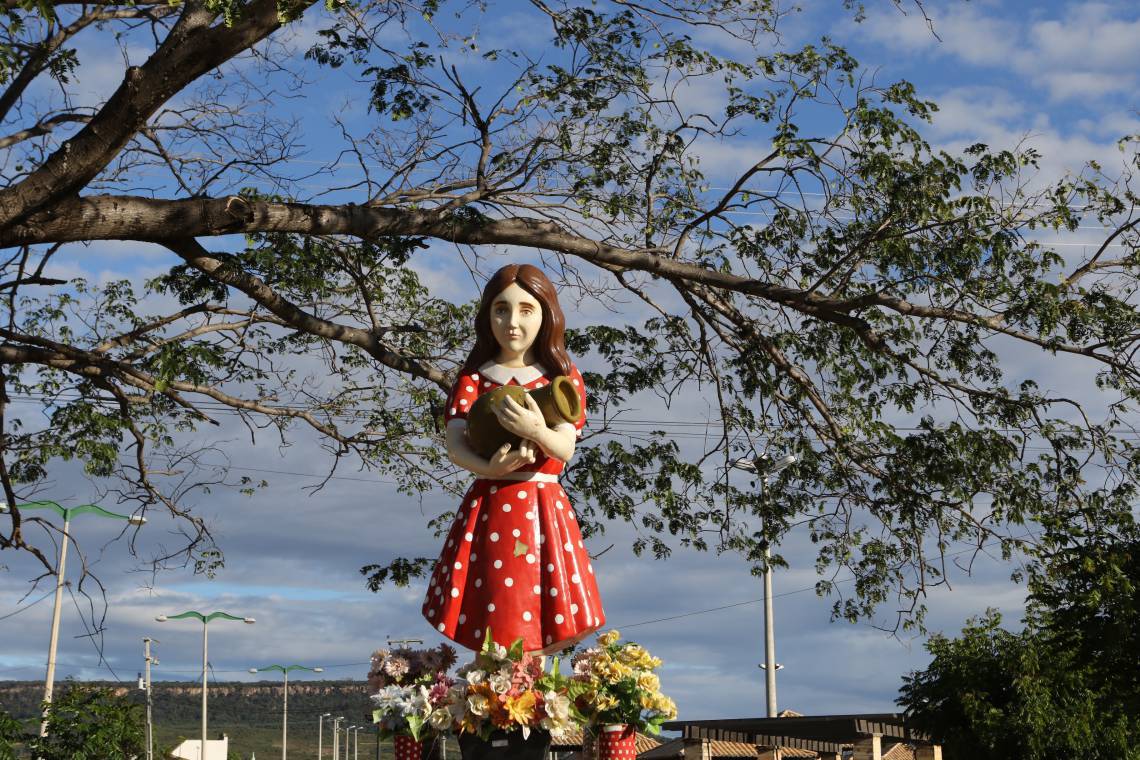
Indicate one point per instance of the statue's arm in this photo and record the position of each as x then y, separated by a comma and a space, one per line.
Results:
501, 462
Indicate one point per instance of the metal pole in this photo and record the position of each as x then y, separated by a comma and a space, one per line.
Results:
769, 617
336, 736
149, 714
205, 661
321, 736
53, 642
356, 744
285, 714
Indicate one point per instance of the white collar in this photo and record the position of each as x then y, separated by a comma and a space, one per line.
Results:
503, 375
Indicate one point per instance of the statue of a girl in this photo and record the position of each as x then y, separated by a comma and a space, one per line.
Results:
514, 561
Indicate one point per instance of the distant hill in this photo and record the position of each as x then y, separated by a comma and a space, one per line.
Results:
249, 713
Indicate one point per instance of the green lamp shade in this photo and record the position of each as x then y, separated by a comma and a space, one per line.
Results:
558, 400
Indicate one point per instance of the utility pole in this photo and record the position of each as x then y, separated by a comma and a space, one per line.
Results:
765, 468
149, 714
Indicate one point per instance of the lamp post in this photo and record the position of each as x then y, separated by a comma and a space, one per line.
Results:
356, 742
205, 651
336, 735
60, 571
766, 468
285, 669
320, 735
347, 731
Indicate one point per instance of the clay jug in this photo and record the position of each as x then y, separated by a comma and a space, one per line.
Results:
558, 400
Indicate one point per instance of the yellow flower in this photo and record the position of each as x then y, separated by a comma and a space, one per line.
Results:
609, 637
648, 681
606, 702
521, 708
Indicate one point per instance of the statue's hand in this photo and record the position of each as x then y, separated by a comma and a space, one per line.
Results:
524, 421
506, 460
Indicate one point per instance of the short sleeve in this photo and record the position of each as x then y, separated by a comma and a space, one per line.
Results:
462, 396
580, 384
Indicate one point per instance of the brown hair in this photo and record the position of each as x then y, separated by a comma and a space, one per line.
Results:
550, 345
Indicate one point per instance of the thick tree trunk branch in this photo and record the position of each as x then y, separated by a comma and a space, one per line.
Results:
192, 48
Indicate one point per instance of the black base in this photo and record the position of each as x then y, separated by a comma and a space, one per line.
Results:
505, 745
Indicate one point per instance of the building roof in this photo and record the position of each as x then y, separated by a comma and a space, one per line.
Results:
817, 733
721, 749
900, 751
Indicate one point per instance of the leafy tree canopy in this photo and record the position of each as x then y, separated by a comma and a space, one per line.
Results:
1067, 685
849, 293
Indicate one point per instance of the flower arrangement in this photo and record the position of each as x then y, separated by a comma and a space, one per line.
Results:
615, 683
413, 691
509, 689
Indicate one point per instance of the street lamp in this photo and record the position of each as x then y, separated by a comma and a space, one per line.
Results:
285, 700
320, 735
766, 468
60, 570
336, 735
347, 731
205, 652
355, 743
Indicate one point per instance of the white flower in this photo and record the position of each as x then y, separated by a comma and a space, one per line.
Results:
476, 677
478, 705
440, 718
498, 652
501, 682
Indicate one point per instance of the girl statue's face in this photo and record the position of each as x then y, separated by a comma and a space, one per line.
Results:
516, 317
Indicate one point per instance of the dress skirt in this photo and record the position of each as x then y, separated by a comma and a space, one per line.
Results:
514, 563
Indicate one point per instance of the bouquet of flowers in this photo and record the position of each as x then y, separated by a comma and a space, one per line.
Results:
413, 691
614, 684
508, 689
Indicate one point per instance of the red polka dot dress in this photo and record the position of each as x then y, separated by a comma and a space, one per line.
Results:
514, 560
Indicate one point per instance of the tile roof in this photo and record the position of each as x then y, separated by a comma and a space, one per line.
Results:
900, 751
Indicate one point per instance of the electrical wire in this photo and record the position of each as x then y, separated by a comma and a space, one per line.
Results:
27, 607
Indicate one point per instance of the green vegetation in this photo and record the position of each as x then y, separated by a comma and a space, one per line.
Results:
1067, 685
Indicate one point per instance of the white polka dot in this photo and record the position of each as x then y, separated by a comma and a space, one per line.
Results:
538, 589
542, 538
472, 504
475, 376
438, 590
558, 619
498, 564
580, 544
506, 507
576, 381
451, 542
568, 546
516, 532
530, 559
430, 614
554, 592
483, 518
478, 582
550, 568
478, 634
454, 593
491, 607
486, 384
527, 616
522, 494
458, 565
540, 485
433, 581
474, 556
453, 410
529, 515
590, 568
575, 578
463, 402
462, 618
509, 582
469, 389
494, 537
441, 627
558, 504
494, 489
573, 611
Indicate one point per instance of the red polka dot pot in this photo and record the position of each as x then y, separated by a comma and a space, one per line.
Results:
616, 742
408, 748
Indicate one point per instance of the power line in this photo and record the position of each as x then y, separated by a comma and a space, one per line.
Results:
27, 607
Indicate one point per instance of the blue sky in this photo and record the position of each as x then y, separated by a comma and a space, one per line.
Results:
1061, 76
